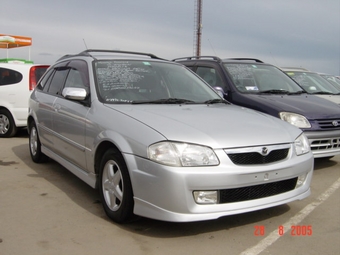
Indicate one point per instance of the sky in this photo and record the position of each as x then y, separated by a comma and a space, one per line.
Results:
285, 33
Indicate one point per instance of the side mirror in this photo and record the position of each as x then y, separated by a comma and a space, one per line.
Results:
78, 94
220, 91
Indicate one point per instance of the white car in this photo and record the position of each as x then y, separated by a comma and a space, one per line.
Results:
334, 80
17, 81
314, 83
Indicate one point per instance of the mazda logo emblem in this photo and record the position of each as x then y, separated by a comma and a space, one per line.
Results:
264, 151
335, 123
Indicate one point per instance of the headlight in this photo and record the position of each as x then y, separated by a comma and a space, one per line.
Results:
301, 145
295, 119
182, 154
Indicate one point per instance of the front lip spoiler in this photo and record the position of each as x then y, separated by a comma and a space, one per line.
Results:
154, 212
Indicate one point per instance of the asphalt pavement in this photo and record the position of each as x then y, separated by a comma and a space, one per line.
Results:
44, 209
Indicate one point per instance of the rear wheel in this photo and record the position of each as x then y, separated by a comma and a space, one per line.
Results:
115, 187
35, 145
7, 125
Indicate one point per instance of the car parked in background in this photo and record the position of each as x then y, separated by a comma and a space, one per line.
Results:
17, 81
313, 83
159, 142
264, 87
334, 80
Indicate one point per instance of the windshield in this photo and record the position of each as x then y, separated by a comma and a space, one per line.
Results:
140, 81
332, 80
313, 83
253, 78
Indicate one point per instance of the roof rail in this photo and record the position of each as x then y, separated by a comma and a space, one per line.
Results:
198, 57
294, 68
251, 59
89, 51
66, 56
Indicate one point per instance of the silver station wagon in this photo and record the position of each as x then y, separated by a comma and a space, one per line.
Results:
159, 142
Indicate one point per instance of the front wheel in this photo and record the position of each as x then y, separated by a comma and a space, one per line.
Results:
115, 187
7, 125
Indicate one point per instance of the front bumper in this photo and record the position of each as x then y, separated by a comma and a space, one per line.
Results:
324, 143
166, 193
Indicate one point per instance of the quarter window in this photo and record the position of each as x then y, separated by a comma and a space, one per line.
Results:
9, 76
78, 76
74, 79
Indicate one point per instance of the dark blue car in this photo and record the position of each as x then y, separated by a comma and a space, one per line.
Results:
264, 87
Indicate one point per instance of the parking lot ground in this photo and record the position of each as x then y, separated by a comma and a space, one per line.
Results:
44, 209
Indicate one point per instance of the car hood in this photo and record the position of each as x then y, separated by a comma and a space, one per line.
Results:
218, 126
310, 106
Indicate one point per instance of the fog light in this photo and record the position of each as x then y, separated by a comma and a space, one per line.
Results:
206, 197
301, 180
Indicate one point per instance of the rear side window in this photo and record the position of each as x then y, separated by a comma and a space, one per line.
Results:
9, 76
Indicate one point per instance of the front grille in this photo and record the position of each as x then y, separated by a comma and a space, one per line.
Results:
254, 158
325, 144
331, 124
256, 192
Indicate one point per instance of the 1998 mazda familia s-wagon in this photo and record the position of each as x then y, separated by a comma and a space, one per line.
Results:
159, 142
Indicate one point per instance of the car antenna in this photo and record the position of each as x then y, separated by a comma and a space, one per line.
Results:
212, 47
85, 43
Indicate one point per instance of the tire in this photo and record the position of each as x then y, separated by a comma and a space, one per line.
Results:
35, 145
327, 158
115, 187
7, 125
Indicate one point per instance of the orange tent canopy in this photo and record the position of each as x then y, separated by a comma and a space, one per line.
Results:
14, 41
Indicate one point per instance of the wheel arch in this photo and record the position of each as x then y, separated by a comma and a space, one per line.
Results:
30, 119
9, 108
101, 148
12, 118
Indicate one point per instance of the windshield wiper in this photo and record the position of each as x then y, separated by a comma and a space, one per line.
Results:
166, 101
324, 93
216, 101
275, 91
297, 92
